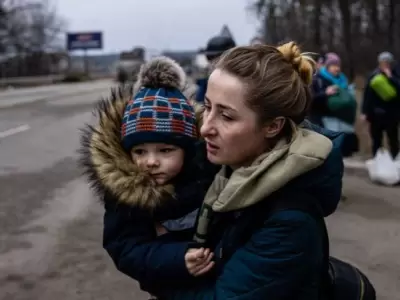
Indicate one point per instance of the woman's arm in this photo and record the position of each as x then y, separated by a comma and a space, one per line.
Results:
273, 265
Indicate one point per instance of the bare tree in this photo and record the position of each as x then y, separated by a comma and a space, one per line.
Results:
29, 30
356, 29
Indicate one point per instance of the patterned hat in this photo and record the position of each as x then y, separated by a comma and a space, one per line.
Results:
159, 112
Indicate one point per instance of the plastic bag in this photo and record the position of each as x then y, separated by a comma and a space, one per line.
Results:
383, 169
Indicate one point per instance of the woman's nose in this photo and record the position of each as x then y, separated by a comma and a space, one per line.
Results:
207, 128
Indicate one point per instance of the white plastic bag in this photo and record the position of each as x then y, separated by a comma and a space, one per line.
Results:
383, 169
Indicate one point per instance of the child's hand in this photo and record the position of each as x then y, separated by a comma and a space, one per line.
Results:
198, 261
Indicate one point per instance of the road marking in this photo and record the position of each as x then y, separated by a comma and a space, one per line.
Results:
14, 130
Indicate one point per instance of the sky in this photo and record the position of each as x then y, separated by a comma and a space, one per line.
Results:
158, 24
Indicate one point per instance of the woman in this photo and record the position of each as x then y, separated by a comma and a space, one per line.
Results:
330, 83
257, 97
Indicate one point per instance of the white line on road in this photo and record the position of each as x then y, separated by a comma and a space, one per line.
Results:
14, 130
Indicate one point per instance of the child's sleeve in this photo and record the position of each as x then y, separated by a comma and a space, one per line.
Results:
129, 238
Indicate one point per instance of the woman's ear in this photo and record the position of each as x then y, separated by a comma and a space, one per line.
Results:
274, 127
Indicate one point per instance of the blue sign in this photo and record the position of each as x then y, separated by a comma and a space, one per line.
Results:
84, 40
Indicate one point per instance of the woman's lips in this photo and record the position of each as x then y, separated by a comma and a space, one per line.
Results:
212, 148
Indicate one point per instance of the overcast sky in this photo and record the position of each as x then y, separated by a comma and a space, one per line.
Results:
158, 24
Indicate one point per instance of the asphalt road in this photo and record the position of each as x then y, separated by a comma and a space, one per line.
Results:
50, 238
50, 242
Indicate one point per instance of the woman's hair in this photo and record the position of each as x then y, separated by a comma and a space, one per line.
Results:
277, 79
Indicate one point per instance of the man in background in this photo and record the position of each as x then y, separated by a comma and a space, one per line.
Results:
381, 104
214, 49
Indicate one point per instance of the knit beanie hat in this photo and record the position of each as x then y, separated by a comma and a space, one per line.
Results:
332, 58
159, 112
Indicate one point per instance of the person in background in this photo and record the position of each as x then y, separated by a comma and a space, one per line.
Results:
331, 82
381, 104
214, 49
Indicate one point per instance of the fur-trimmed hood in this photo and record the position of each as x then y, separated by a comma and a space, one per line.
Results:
107, 166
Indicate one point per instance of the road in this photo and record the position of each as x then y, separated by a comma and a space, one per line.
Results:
50, 242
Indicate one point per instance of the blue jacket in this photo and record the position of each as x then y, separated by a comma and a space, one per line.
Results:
283, 258
202, 89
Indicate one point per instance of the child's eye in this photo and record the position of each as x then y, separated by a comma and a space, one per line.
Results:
167, 150
138, 151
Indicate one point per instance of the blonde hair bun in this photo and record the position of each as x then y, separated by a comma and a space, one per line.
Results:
302, 62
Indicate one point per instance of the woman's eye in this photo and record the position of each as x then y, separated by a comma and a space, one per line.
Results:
227, 118
207, 107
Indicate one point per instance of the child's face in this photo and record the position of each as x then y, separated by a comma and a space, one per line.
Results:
162, 161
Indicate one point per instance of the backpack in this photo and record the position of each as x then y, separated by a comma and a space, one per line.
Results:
383, 88
340, 280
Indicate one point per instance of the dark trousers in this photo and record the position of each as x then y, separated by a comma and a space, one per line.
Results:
391, 127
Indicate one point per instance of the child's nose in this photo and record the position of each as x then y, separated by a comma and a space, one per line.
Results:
152, 162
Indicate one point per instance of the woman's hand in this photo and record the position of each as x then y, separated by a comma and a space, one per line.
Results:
331, 90
199, 261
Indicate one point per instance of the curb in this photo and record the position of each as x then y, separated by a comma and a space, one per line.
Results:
355, 167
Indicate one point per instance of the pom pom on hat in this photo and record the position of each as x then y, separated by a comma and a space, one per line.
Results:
162, 72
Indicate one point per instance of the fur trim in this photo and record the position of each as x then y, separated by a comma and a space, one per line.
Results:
108, 167
162, 72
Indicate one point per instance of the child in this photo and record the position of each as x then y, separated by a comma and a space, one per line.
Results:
143, 159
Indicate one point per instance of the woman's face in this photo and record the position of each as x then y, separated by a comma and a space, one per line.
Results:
334, 69
230, 127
